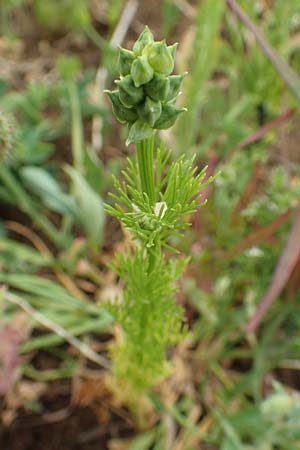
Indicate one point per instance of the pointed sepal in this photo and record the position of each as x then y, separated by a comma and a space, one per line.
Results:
141, 71
129, 94
149, 111
174, 85
168, 116
158, 88
123, 114
138, 131
126, 58
160, 58
144, 39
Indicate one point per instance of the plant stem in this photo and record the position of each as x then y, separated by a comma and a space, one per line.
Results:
77, 129
145, 149
146, 167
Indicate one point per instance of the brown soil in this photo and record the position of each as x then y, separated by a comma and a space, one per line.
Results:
79, 430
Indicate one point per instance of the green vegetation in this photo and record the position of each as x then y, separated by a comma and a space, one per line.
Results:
166, 351
152, 205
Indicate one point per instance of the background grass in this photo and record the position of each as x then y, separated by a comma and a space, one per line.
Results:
236, 379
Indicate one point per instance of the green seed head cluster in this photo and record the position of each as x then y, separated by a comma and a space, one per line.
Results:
147, 92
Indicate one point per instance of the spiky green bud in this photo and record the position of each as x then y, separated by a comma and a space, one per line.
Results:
141, 71
168, 116
161, 58
126, 58
129, 94
123, 114
144, 39
158, 88
147, 93
149, 111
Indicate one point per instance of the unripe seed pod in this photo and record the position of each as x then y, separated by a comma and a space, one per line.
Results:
126, 58
174, 85
123, 114
158, 88
129, 94
149, 111
160, 58
168, 116
144, 39
141, 71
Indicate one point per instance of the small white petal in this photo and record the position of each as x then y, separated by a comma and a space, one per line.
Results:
160, 208
135, 207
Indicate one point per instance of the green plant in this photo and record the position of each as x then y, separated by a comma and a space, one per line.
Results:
28, 181
273, 424
154, 203
64, 14
204, 58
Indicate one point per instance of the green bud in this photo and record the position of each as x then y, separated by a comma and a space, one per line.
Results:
158, 88
126, 58
141, 71
160, 58
138, 131
129, 94
144, 39
123, 114
168, 116
174, 85
149, 111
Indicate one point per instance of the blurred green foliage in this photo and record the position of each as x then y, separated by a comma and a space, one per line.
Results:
232, 91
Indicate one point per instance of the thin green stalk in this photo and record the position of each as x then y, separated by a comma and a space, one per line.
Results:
145, 150
48, 374
98, 40
77, 142
77, 130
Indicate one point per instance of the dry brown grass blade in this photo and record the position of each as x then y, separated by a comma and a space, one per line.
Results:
285, 71
274, 124
284, 268
258, 237
247, 195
